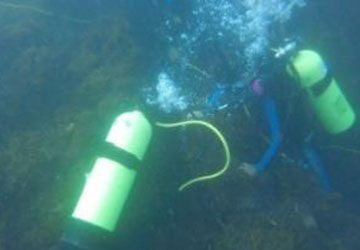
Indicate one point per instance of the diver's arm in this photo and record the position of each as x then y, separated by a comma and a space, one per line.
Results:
271, 116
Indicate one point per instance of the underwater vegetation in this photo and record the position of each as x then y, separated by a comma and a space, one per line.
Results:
60, 80
65, 74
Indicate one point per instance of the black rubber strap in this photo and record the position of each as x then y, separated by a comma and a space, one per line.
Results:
319, 87
82, 235
110, 151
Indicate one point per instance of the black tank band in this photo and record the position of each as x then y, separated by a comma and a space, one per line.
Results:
319, 87
110, 151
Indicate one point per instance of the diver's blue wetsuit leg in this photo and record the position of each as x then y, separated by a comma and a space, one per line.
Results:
317, 165
270, 113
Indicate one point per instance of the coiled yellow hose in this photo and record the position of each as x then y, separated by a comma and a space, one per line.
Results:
221, 138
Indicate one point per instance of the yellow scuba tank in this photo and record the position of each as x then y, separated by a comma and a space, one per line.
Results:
324, 94
109, 183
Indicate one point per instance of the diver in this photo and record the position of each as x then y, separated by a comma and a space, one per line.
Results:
270, 114
330, 108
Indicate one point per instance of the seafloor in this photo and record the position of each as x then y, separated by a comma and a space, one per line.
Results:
63, 80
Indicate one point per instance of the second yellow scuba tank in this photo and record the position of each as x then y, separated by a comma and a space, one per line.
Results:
325, 96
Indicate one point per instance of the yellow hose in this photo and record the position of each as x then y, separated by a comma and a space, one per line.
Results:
218, 134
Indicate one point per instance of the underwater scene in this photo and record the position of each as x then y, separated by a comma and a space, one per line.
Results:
179, 124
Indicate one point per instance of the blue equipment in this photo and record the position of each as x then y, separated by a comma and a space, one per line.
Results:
270, 113
316, 164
